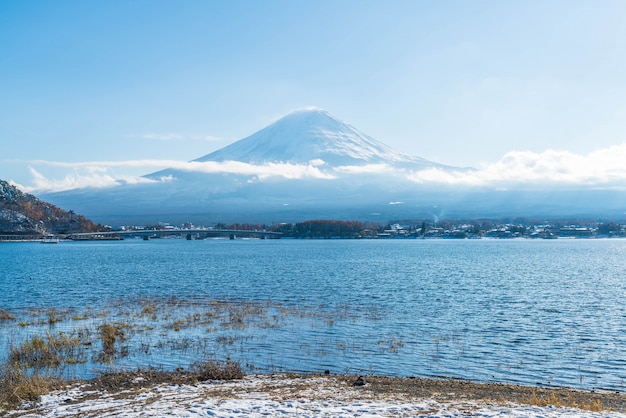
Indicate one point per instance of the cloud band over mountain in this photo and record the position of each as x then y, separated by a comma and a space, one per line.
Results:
600, 168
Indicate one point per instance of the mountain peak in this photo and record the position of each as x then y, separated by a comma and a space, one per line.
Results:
309, 110
311, 115
310, 134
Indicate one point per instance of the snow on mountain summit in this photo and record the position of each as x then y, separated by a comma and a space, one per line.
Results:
312, 134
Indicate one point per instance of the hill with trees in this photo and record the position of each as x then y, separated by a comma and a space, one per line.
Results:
23, 213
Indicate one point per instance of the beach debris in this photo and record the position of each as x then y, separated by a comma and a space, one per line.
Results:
360, 381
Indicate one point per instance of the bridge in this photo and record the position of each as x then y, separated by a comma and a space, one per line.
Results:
188, 233
22, 238
146, 234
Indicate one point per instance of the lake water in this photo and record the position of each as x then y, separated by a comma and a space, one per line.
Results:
549, 312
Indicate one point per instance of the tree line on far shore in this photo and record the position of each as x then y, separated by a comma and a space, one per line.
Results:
505, 228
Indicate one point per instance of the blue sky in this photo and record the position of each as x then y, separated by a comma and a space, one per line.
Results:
114, 89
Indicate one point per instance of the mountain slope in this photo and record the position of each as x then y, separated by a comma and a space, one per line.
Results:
23, 213
307, 135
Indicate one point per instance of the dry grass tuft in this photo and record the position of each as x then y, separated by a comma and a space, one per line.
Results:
34, 367
110, 334
18, 386
568, 402
550, 399
51, 352
6, 315
217, 370
54, 316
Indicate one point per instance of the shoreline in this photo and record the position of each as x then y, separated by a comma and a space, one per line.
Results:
179, 394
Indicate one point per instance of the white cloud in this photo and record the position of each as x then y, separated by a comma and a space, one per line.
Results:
601, 168
365, 169
104, 165
317, 162
175, 136
99, 174
285, 170
162, 137
77, 180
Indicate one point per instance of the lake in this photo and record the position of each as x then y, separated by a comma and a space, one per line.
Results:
549, 312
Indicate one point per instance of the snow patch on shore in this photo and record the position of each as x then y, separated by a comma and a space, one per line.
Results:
271, 396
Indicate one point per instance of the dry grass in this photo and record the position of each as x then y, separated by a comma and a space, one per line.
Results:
55, 315
34, 367
18, 386
567, 401
6, 315
51, 352
111, 335
217, 370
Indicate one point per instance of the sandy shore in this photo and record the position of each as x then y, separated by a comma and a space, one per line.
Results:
175, 395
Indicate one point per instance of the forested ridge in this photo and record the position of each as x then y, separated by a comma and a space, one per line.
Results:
23, 213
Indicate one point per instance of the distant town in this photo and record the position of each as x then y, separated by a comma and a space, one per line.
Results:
444, 229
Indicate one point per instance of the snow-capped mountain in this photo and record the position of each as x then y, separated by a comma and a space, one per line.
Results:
310, 165
307, 135
310, 137
306, 165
